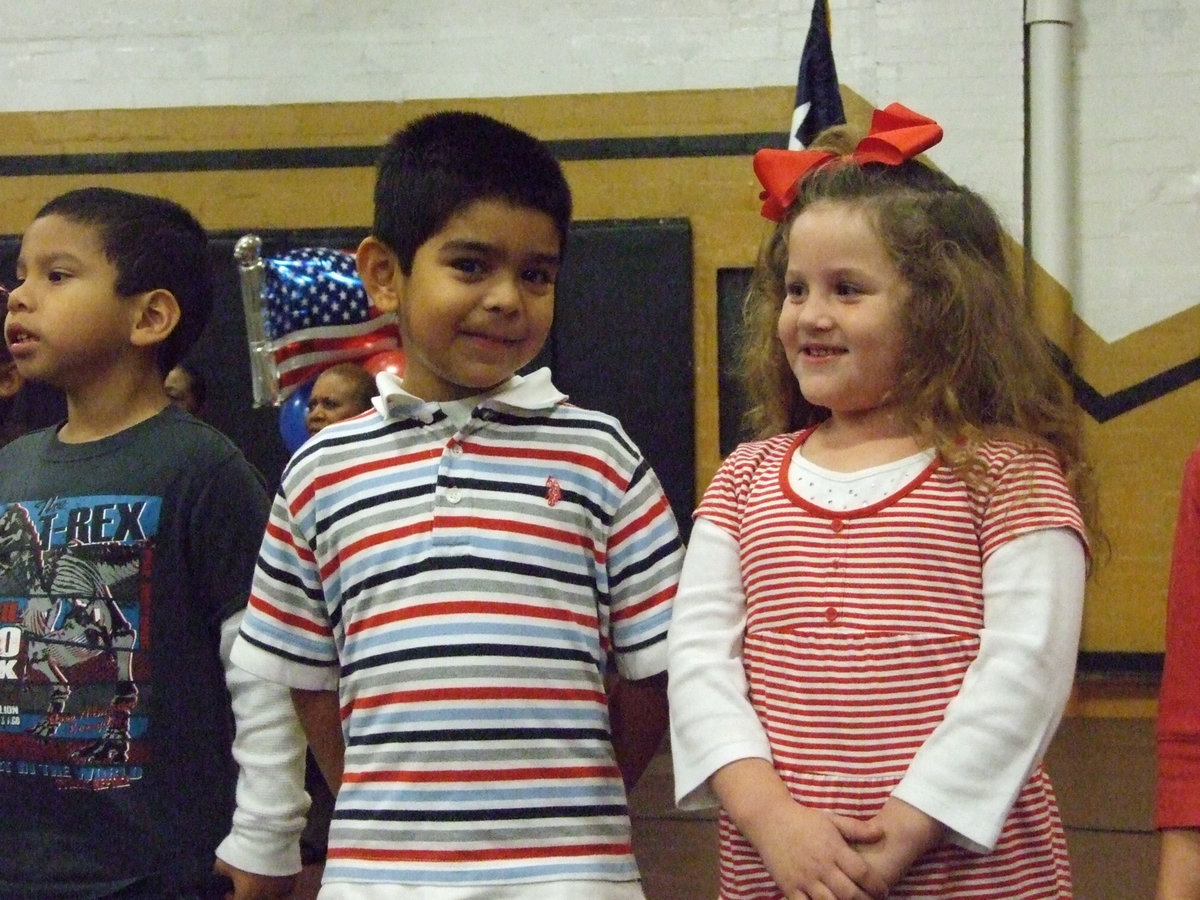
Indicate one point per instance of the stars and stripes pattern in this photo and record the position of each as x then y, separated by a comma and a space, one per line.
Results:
317, 313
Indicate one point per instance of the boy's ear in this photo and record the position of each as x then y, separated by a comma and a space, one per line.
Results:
380, 273
157, 313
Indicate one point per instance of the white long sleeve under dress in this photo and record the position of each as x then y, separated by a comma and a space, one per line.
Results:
919, 644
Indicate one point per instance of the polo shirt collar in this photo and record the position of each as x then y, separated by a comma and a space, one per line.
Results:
525, 392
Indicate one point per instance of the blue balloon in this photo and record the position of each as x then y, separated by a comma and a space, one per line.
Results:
291, 416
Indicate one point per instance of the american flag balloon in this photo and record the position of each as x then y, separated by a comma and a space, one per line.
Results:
316, 313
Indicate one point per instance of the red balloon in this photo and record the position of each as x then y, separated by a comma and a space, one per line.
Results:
385, 361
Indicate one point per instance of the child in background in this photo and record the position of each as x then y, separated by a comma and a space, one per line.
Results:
1177, 807
445, 579
128, 542
339, 392
878, 617
187, 388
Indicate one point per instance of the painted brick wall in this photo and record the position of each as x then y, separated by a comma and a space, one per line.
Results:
959, 60
1137, 74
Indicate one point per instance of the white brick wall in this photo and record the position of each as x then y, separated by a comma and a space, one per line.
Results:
1139, 192
1138, 75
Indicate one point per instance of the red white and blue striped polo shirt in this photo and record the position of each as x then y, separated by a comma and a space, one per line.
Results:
462, 589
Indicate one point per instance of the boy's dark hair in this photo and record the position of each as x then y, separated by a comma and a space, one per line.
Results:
154, 244
437, 165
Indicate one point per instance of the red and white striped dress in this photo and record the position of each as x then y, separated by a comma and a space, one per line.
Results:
860, 628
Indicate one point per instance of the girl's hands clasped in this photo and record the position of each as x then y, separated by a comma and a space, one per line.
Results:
808, 853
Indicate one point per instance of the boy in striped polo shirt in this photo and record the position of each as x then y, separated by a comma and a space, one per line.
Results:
468, 588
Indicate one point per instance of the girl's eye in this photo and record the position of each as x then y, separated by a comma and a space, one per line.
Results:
56, 275
796, 290
848, 289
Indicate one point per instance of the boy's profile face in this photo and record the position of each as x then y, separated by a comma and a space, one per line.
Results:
479, 302
65, 324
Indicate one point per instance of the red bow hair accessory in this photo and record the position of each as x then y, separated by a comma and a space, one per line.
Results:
897, 134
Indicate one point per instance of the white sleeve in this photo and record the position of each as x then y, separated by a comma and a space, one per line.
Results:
269, 749
712, 721
968, 773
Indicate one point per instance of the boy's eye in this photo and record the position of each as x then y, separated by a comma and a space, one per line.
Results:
539, 276
796, 290
55, 275
469, 265
847, 289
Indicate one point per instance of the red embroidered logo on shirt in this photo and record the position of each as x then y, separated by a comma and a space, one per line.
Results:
553, 491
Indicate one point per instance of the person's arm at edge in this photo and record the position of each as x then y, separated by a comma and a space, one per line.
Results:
1179, 864
261, 854
1177, 812
321, 717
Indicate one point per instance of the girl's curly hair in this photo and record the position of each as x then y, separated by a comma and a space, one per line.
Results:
976, 364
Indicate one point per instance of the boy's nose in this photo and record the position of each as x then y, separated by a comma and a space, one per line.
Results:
505, 293
13, 298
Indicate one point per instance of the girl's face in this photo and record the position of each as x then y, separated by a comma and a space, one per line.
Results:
840, 321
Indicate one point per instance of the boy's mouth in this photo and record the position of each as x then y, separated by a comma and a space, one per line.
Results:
490, 338
16, 336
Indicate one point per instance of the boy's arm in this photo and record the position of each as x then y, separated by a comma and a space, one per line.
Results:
637, 714
261, 854
321, 717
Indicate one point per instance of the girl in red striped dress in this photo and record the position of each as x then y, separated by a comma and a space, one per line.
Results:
875, 634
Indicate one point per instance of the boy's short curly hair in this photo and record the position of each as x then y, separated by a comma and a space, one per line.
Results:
439, 164
154, 244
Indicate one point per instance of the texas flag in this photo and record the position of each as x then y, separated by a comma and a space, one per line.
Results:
818, 103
